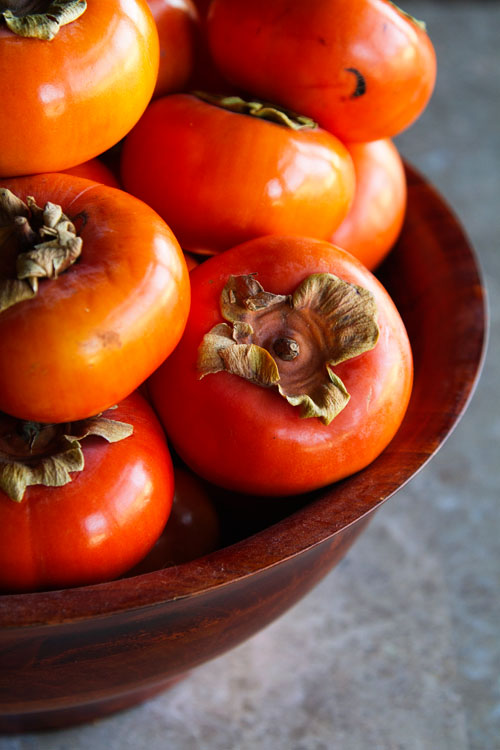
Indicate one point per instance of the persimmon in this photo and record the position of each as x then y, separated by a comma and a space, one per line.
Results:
81, 502
71, 90
94, 294
223, 170
376, 215
96, 170
363, 69
178, 25
294, 370
191, 261
193, 528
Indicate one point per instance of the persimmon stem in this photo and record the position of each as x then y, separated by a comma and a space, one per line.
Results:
286, 349
42, 242
40, 19
260, 109
330, 320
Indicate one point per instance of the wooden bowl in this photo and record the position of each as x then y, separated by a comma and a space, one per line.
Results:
74, 655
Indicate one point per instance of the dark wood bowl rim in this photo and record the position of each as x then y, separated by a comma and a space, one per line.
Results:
307, 527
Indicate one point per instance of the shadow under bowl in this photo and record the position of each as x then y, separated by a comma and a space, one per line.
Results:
74, 655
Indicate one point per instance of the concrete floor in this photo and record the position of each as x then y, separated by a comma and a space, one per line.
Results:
398, 648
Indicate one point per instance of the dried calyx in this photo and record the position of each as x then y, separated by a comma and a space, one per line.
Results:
291, 342
259, 109
40, 19
42, 241
35, 453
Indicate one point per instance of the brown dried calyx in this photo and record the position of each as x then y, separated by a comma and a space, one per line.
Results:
40, 19
35, 453
42, 241
291, 342
259, 109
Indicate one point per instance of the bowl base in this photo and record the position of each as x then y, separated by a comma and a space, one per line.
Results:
60, 718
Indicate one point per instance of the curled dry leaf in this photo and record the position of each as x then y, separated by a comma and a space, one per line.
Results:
291, 342
260, 109
46, 23
34, 453
43, 242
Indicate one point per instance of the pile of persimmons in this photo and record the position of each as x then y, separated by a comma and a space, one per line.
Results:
193, 198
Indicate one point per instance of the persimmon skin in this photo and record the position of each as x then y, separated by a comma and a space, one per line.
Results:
177, 22
219, 178
192, 530
91, 336
96, 170
102, 522
191, 261
67, 100
362, 69
248, 438
376, 216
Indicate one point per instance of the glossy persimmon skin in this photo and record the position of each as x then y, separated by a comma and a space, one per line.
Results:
94, 334
101, 523
192, 530
376, 216
96, 170
67, 100
363, 69
178, 25
247, 438
219, 178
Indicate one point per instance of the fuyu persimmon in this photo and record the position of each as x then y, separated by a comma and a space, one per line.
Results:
80, 332
363, 69
294, 370
221, 170
376, 215
178, 25
97, 496
68, 98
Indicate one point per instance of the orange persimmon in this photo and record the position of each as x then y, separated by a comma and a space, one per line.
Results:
224, 170
97, 328
363, 69
69, 98
376, 216
178, 24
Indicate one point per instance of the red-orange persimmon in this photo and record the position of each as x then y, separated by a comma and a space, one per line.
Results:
93, 333
96, 170
99, 524
376, 216
248, 437
219, 177
178, 25
363, 69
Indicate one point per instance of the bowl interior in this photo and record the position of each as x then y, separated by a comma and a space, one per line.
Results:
434, 279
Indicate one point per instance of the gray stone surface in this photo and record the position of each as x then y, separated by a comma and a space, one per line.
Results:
398, 648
